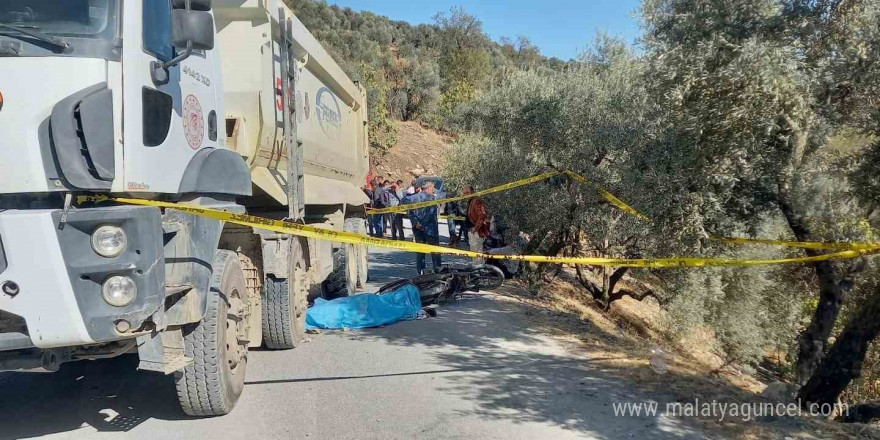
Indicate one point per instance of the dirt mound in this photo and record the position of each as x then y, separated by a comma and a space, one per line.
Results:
419, 151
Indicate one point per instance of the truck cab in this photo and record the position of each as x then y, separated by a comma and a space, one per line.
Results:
127, 99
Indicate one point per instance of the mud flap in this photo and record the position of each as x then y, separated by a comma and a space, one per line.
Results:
162, 352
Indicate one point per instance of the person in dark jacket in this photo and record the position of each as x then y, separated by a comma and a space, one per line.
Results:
386, 225
380, 200
454, 225
396, 194
463, 209
424, 221
368, 190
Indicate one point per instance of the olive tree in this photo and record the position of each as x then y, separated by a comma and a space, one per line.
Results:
751, 91
588, 120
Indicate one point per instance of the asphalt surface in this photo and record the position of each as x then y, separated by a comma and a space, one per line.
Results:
475, 371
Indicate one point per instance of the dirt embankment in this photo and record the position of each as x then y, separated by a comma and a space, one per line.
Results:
419, 151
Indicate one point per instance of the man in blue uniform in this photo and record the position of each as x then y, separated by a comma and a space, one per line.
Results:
424, 223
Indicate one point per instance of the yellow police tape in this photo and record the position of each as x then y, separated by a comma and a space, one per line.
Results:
499, 188
608, 196
507, 186
815, 245
351, 238
451, 217
623, 206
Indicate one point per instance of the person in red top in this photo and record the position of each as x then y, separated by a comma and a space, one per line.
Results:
478, 217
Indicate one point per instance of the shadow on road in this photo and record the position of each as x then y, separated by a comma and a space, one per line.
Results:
375, 376
388, 267
512, 373
85, 393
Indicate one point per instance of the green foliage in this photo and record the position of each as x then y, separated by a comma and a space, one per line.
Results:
866, 176
587, 119
746, 309
422, 72
731, 304
749, 94
464, 56
383, 131
728, 113
751, 88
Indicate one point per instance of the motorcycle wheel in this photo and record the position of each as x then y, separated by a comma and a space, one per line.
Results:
488, 277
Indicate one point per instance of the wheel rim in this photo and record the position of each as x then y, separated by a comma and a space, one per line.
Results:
236, 331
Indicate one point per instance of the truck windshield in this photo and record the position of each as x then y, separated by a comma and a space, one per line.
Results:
69, 18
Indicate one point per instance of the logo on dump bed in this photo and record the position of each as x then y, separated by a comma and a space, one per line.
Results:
328, 113
1, 101
193, 122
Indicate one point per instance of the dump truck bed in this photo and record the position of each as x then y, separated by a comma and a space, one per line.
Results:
330, 110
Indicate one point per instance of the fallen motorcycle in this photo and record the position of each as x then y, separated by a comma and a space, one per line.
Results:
450, 282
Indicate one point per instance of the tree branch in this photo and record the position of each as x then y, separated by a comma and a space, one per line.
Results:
591, 287
638, 296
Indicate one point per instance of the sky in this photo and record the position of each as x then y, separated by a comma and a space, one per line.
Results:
561, 28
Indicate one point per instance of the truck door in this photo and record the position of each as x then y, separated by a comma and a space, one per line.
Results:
169, 114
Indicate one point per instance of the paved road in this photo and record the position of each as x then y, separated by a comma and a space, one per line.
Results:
475, 371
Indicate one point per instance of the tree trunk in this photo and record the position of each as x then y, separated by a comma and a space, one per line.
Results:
594, 290
844, 360
813, 339
532, 246
611, 283
535, 241
534, 272
552, 251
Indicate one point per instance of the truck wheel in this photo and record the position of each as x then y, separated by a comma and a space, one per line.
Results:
352, 256
254, 278
338, 283
349, 265
285, 305
363, 266
217, 344
357, 253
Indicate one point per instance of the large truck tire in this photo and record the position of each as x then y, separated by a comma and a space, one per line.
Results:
285, 305
339, 283
254, 278
359, 226
213, 382
350, 264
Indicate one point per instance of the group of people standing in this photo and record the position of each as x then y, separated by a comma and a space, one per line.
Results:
469, 221
385, 194
469, 217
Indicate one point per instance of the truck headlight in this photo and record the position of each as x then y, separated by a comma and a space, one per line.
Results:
119, 291
109, 241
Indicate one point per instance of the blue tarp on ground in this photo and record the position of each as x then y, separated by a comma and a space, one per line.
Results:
367, 310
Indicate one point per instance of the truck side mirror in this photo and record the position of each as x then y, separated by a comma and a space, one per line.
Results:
192, 29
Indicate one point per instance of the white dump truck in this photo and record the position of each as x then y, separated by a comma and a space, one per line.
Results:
227, 104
